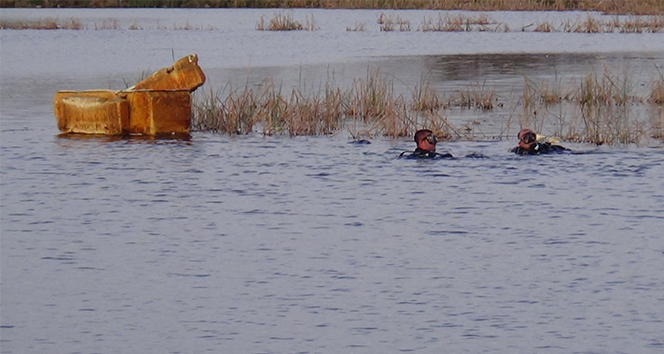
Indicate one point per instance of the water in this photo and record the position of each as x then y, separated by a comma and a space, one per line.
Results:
258, 244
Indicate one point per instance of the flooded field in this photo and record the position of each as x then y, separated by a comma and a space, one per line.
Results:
272, 244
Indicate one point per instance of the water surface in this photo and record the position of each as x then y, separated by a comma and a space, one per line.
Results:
257, 244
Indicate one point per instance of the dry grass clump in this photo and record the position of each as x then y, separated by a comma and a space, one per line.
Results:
359, 27
373, 102
656, 95
544, 93
543, 27
635, 24
270, 111
75, 24
369, 103
597, 109
606, 89
632, 24
390, 23
474, 96
109, 24
458, 23
425, 98
286, 22
48, 23
589, 25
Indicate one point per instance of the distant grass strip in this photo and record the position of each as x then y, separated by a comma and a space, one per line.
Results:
285, 21
48, 23
51, 23
623, 7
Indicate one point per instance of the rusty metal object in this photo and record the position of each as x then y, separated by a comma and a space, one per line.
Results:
185, 74
160, 104
149, 107
91, 112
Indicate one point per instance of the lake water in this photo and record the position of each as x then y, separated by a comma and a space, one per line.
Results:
257, 244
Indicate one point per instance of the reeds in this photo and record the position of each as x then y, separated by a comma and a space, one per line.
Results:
656, 95
359, 27
110, 24
460, 23
48, 23
73, 23
482, 23
286, 22
369, 102
474, 96
599, 108
390, 23
425, 98
605, 110
269, 111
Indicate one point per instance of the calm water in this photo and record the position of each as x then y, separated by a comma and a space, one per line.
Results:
258, 244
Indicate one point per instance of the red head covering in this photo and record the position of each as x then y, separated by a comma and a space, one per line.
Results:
524, 132
422, 134
527, 138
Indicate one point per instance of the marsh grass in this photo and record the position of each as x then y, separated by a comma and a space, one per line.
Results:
49, 23
389, 23
286, 22
656, 95
370, 97
656, 116
583, 24
269, 110
73, 23
544, 26
110, 24
546, 93
599, 108
425, 98
359, 27
474, 96
280, 22
235, 114
589, 25
459, 23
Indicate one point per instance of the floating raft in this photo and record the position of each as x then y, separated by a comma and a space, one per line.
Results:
160, 104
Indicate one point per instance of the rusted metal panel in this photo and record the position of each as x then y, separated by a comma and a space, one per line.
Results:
160, 104
91, 112
156, 112
185, 74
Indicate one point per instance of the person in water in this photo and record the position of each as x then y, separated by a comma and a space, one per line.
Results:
528, 145
426, 147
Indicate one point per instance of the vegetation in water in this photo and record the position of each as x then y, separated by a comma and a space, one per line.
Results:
599, 108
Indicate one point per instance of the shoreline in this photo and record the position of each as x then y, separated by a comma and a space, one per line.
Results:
616, 7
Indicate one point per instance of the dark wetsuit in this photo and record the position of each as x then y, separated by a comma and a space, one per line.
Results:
539, 148
422, 154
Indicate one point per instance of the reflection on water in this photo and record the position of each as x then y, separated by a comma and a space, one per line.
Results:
471, 67
641, 67
127, 138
